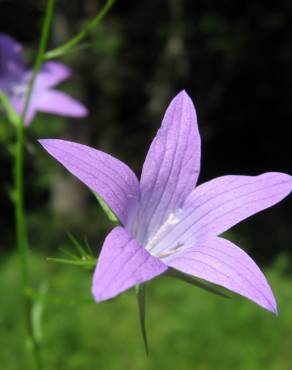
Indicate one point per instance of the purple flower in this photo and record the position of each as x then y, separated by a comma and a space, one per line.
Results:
166, 221
15, 78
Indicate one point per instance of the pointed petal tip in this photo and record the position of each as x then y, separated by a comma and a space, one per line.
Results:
104, 296
221, 262
184, 99
82, 111
275, 310
78, 110
283, 179
270, 303
183, 95
44, 142
183, 92
57, 102
98, 298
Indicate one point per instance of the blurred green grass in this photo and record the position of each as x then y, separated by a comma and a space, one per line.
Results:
187, 328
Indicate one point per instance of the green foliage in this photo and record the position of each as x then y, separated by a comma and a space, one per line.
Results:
82, 255
75, 43
109, 213
9, 110
187, 327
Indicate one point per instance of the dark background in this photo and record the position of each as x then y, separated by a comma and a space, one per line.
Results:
233, 58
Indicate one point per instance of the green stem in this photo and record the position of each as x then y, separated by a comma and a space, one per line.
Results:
64, 49
141, 299
21, 232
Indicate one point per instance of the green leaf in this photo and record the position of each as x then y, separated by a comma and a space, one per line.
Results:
197, 282
87, 246
83, 257
84, 252
84, 263
110, 214
140, 291
10, 112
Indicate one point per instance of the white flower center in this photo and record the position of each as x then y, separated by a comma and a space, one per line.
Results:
160, 233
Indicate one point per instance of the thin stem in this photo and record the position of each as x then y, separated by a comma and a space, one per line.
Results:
21, 232
41, 53
141, 299
64, 49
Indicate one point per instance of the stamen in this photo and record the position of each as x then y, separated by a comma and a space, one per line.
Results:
171, 251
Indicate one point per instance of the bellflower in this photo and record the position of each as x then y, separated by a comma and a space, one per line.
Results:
15, 78
167, 222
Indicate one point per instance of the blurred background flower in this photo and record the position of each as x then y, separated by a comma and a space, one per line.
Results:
15, 78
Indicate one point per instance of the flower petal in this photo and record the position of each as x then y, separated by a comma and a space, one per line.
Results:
11, 55
53, 101
51, 74
172, 164
221, 262
122, 263
219, 204
110, 178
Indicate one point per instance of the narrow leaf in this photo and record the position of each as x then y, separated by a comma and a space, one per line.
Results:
78, 246
198, 283
110, 214
85, 263
10, 112
140, 291
87, 246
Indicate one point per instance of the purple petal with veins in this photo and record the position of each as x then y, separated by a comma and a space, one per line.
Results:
219, 204
110, 178
223, 263
172, 165
123, 263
